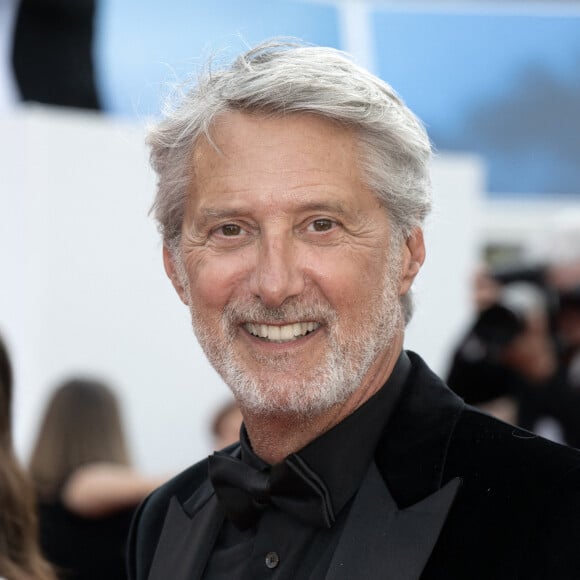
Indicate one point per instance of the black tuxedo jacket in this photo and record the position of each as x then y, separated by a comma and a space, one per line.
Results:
453, 494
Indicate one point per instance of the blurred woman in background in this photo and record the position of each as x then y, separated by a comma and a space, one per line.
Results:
86, 487
20, 557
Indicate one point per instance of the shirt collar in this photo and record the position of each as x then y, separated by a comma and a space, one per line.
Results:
353, 440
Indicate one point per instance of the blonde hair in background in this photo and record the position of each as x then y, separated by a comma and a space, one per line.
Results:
20, 557
81, 425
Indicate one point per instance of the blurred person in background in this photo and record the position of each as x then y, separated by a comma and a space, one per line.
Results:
20, 557
225, 427
520, 360
562, 274
86, 488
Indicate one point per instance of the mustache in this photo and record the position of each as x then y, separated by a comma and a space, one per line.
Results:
293, 310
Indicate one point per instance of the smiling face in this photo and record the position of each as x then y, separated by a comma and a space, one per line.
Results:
286, 264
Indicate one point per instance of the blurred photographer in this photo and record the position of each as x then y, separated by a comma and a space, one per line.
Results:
520, 360
563, 274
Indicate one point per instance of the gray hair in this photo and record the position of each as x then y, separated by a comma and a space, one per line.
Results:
278, 78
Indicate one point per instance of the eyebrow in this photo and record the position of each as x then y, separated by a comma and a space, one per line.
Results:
330, 206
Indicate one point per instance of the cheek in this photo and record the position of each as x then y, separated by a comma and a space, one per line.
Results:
350, 279
213, 281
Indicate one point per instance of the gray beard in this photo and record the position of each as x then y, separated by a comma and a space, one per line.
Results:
280, 387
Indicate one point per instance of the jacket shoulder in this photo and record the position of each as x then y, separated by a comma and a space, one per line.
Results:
501, 445
522, 491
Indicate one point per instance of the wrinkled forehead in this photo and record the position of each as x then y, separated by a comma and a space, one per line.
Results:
257, 137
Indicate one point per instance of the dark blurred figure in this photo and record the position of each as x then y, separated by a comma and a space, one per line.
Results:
53, 52
564, 276
86, 488
519, 360
20, 557
225, 427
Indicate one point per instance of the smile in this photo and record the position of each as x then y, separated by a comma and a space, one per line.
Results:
285, 333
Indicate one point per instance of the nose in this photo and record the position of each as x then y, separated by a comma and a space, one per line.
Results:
277, 274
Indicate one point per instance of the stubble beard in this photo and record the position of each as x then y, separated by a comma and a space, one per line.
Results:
283, 387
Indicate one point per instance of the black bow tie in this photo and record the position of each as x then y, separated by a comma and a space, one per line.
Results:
291, 486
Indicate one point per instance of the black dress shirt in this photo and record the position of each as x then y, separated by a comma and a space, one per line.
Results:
280, 547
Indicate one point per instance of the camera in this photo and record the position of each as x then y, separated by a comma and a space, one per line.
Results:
524, 291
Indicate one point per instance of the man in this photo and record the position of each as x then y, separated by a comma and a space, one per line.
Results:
292, 189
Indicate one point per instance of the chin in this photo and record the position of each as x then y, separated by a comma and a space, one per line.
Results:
281, 395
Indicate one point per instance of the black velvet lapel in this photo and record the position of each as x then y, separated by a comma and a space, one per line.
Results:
381, 541
188, 535
412, 452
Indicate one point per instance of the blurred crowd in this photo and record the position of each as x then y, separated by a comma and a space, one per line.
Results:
520, 357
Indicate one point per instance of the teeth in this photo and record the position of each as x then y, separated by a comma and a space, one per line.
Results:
287, 332
284, 333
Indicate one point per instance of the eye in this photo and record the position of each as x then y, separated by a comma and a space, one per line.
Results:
230, 230
230, 234
322, 225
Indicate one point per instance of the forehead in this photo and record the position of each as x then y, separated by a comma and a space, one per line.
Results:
237, 137
264, 159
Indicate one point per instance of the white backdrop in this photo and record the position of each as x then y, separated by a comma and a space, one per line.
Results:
83, 287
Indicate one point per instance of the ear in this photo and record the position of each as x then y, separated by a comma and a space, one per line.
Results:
172, 272
413, 258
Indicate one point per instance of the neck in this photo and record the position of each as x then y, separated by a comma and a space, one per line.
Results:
274, 436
